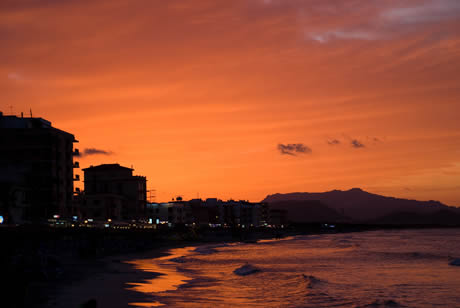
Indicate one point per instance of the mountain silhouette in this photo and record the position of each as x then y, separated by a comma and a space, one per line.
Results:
361, 206
308, 211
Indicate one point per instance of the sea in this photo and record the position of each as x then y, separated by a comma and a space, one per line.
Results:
392, 268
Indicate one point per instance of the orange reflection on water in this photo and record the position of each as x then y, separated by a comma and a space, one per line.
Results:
148, 305
169, 280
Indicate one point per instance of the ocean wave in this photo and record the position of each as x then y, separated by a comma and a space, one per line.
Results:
246, 269
205, 250
455, 262
180, 259
199, 282
312, 281
209, 249
383, 303
346, 243
381, 273
284, 239
406, 255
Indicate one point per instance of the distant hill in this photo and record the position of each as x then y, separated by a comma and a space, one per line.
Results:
442, 217
361, 206
306, 211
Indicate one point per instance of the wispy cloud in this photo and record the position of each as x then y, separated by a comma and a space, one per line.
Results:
293, 149
380, 20
324, 37
94, 151
357, 144
424, 12
333, 142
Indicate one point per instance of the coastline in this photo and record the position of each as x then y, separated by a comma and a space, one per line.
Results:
105, 280
95, 275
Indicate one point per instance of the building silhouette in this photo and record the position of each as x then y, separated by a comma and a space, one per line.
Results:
210, 212
112, 192
36, 170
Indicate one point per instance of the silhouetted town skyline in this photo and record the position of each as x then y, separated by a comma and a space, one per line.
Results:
38, 164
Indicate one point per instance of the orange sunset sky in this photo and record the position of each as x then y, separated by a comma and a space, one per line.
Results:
208, 97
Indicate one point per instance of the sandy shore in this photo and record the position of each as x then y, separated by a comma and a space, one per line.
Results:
111, 280
105, 281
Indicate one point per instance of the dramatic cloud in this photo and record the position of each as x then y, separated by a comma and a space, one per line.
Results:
357, 144
93, 151
327, 36
385, 21
333, 142
425, 12
293, 149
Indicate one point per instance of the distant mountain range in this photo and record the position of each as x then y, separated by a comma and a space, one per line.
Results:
358, 206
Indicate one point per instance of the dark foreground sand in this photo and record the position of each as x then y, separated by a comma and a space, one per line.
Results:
105, 281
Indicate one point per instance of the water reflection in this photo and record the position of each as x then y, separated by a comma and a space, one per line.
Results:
168, 280
368, 269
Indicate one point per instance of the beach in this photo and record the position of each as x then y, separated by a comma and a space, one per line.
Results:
104, 280
406, 268
65, 267
113, 280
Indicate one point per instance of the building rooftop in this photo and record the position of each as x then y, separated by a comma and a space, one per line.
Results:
104, 167
15, 122
12, 121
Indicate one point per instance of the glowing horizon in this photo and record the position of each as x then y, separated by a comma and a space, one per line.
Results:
241, 99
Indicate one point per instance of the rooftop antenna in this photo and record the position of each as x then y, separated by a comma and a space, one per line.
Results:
11, 109
30, 112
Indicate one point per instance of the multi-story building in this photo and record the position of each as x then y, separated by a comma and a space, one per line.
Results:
36, 169
112, 191
210, 212
168, 213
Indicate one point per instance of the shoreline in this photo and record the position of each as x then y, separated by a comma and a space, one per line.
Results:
115, 272
105, 280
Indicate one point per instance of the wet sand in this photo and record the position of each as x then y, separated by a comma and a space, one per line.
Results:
106, 281
112, 280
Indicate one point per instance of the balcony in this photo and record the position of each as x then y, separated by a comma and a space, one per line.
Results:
76, 164
77, 177
76, 152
